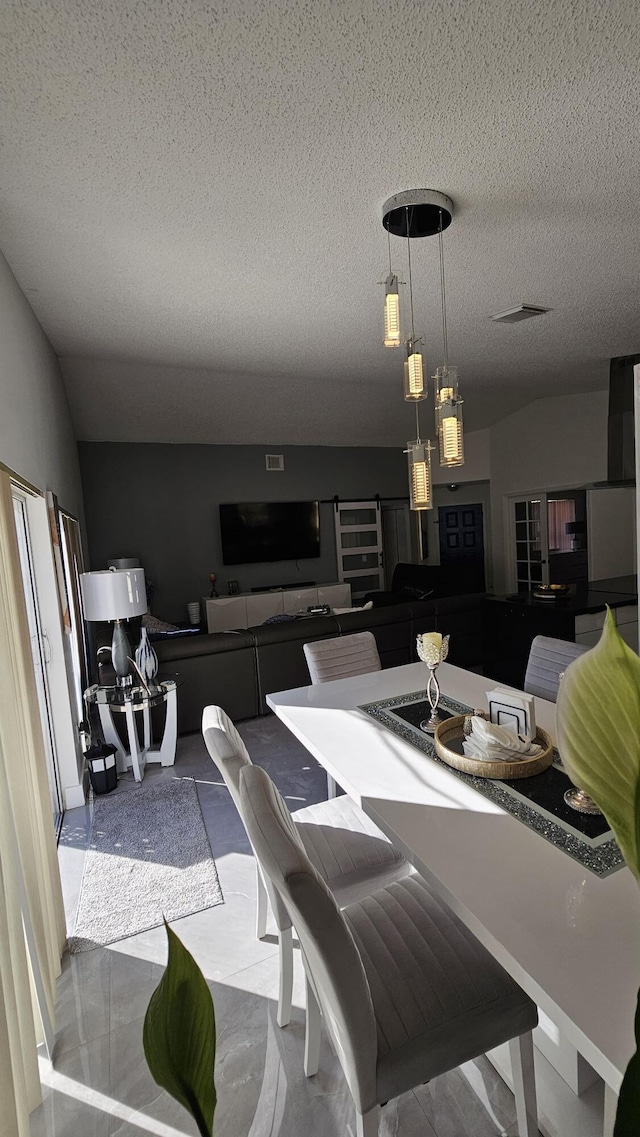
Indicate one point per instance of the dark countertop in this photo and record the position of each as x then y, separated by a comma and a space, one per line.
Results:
592, 597
616, 584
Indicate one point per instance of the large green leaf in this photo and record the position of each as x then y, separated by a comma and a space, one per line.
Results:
628, 1111
179, 1035
598, 723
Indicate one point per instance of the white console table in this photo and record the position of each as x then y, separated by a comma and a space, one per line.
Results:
247, 609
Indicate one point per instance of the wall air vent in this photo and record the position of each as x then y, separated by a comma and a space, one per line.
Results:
274, 461
520, 312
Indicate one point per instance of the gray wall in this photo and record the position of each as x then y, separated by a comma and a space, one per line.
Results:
36, 436
160, 502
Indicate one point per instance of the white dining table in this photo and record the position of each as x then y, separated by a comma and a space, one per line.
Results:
569, 937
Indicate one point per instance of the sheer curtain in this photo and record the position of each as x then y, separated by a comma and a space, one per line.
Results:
30, 893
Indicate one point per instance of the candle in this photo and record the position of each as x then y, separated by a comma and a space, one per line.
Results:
434, 638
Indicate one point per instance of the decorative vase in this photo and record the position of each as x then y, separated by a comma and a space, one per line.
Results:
146, 658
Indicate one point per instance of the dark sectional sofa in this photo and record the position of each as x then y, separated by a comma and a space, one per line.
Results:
238, 670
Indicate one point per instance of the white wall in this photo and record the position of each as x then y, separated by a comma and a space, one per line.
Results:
477, 461
555, 443
611, 529
37, 442
36, 435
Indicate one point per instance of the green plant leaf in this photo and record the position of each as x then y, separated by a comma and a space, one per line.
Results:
179, 1035
628, 1110
598, 724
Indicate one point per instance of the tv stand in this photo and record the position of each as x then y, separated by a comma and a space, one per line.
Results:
284, 587
247, 609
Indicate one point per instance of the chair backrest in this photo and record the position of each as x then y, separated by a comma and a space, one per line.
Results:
342, 657
334, 967
548, 658
226, 748
230, 755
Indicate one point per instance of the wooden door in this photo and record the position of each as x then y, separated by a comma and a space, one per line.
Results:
461, 532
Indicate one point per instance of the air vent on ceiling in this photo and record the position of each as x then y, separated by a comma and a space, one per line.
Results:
520, 312
275, 461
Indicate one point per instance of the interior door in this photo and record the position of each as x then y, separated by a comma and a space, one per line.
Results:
461, 531
549, 538
531, 534
359, 546
395, 538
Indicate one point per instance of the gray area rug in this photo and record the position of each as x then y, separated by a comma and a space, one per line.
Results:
148, 857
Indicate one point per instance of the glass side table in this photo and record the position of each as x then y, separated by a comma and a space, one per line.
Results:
128, 701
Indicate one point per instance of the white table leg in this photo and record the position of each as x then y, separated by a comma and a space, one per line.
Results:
610, 1107
111, 736
135, 754
170, 736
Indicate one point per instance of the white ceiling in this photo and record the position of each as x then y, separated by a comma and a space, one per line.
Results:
191, 197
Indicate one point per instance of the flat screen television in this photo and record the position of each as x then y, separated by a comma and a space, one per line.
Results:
255, 531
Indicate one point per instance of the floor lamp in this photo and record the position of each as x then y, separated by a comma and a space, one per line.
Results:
115, 595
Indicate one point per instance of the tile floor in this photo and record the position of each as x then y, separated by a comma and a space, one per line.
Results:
98, 1084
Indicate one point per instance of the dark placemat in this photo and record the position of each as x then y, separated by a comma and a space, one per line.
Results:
537, 801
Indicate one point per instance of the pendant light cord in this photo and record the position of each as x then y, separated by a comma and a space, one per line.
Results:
413, 332
443, 296
389, 247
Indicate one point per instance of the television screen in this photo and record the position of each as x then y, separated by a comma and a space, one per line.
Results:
269, 531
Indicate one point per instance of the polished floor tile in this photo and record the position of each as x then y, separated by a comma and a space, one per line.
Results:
99, 1085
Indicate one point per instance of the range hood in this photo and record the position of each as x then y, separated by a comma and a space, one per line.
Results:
621, 449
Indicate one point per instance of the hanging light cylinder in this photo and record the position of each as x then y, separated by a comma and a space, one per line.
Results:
392, 337
420, 487
415, 388
449, 417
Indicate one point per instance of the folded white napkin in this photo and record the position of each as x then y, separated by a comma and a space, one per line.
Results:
491, 743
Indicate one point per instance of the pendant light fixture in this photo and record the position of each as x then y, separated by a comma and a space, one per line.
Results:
392, 335
423, 213
414, 385
448, 402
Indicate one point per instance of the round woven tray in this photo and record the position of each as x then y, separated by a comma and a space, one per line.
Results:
448, 743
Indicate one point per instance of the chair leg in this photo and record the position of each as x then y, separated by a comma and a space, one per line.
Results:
285, 952
367, 1123
312, 1033
331, 787
262, 905
524, 1084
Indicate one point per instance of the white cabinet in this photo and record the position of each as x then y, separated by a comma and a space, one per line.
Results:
261, 605
589, 626
248, 609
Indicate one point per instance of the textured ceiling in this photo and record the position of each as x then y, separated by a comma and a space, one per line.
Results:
191, 198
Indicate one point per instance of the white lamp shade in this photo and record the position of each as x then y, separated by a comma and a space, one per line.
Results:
113, 595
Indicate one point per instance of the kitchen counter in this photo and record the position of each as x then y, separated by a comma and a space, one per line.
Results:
510, 623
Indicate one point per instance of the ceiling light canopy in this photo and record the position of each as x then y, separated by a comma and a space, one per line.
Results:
411, 214
417, 213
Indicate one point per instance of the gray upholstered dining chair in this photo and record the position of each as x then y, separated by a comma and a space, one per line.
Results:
340, 658
344, 845
548, 658
406, 991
